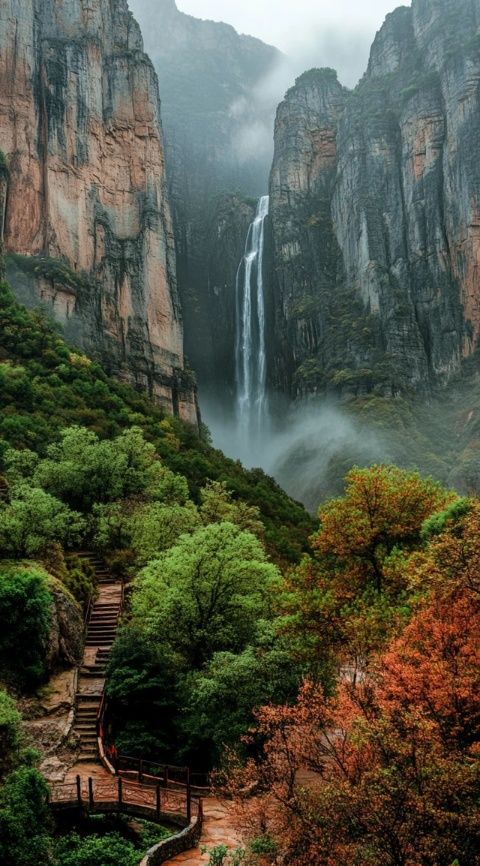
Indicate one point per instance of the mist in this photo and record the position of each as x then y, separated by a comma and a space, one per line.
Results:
326, 33
308, 449
335, 33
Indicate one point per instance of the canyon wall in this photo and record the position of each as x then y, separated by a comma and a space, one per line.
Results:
81, 132
375, 212
218, 132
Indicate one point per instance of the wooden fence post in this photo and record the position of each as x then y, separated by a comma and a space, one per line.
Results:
79, 792
120, 792
140, 771
158, 802
90, 792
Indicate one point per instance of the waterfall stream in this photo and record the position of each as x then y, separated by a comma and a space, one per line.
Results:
250, 348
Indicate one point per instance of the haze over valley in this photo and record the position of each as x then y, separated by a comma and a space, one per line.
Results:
239, 433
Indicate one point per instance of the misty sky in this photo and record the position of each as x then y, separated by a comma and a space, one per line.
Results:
334, 33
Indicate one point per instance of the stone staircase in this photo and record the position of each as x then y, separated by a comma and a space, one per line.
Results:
100, 634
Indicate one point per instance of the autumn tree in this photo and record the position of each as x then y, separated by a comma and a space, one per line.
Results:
387, 771
383, 507
345, 602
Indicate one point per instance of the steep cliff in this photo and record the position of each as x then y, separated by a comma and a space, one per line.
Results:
218, 133
374, 202
81, 131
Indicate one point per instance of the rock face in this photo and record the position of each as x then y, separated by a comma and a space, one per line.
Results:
214, 313
375, 213
67, 629
81, 132
218, 133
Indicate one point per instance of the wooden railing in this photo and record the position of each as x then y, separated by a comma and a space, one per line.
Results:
151, 801
169, 776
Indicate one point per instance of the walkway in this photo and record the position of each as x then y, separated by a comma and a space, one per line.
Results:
103, 787
218, 829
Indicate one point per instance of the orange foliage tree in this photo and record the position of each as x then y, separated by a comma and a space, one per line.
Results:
387, 772
347, 600
383, 507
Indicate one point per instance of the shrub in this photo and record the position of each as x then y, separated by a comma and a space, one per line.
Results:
25, 820
109, 850
25, 620
10, 733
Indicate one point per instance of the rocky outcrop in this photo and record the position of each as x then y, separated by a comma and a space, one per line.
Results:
375, 215
67, 630
218, 131
81, 131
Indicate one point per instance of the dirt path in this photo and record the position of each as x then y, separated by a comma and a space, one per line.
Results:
217, 830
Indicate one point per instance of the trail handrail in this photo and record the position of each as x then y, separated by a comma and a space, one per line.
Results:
123, 795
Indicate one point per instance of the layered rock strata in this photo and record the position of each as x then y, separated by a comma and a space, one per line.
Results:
218, 132
81, 132
375, 212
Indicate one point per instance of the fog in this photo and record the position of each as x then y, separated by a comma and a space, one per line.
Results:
313, 446
308, 451
335, 33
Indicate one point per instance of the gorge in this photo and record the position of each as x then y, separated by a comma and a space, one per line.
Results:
371, 268
239, 434
369, 249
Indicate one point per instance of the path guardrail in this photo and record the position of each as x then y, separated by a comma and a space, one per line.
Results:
151, 801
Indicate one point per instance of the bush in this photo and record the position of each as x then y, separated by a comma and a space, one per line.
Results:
109, 850
25, 620
10, 733
79, 578
25, 820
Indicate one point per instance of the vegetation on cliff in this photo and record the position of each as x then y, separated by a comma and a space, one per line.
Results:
46, 387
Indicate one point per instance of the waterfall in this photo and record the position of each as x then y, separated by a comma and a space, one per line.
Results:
250, 348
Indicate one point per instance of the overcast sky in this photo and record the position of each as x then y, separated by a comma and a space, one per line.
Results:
334, 33
281, 22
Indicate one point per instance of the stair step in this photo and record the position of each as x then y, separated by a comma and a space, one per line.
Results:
102, 628
89, 702
96, 675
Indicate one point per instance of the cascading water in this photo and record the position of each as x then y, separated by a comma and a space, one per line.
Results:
250, 349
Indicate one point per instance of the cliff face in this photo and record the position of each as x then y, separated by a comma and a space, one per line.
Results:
374, 202
81, 131
218, 143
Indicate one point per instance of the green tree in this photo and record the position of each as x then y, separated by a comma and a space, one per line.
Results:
25, 820
156, 527
33, 519
219, 506
221, 698
142, 687
25, 620
207, 593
